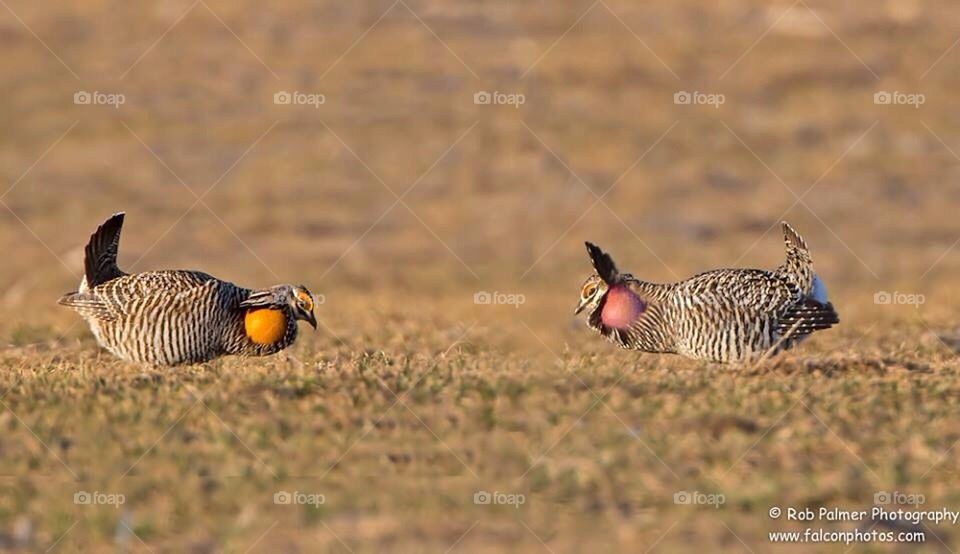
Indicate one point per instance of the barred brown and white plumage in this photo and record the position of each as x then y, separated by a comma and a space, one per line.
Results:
171, 317
724, 315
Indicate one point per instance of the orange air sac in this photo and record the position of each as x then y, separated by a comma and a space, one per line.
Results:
265, 326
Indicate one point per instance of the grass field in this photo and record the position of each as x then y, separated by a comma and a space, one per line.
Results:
400, 200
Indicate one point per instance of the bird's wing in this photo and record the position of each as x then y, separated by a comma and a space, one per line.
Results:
89, 304
759, 295
744, 291
114, 298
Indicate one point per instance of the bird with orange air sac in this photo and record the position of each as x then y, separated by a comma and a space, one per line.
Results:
170, 317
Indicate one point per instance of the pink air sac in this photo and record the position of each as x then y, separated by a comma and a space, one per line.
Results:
621, 308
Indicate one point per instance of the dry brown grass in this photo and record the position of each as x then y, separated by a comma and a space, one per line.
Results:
522, 400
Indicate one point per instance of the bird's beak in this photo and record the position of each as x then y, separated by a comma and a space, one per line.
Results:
312, 320
580, 307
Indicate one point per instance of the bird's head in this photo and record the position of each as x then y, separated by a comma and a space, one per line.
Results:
596, 286
607, 296
591, 293
295, 299
302, 302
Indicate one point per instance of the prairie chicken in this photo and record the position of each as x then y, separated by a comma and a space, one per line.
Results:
724, 315
171, 317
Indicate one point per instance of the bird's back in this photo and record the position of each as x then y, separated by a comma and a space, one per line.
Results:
729, 314
162, 317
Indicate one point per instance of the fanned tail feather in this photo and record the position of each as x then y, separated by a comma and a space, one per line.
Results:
100, 262
807, 316
798, 267
100, 266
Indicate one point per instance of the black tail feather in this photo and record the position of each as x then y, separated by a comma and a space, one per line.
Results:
603, 263
100, 263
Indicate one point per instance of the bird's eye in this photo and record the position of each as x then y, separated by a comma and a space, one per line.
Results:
305, 301
588, 292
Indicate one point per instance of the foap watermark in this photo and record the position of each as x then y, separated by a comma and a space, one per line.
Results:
497, 98
699, 498
297, 498
497, 498
499, 298
97, 498
297, 98
899, 298
697, 98
898, 98
884, 498
97, 98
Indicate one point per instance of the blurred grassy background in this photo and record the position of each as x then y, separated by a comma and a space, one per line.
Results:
214, 175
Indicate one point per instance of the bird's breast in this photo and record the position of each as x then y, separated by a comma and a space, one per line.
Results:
265, 326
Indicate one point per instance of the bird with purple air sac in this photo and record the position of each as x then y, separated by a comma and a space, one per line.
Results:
724, 315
